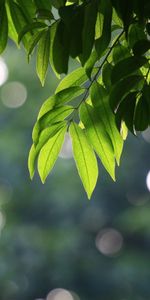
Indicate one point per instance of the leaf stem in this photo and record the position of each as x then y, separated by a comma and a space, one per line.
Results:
99, 68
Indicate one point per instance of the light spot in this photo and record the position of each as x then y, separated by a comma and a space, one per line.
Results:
3, 71
148, 180
136, 199
66, 151
146, 135
14, 94
109, 241
59, 294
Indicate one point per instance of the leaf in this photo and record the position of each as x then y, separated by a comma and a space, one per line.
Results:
51, 117
100, 101
122, 88
88, 33
142, 116
98, 137
106, 75
29, 28
12, 33
3, 28
75, 78
68, 94
120, 52
90, 63
140, 47
43, 138
59, 49
49, 153
136, 33
126, 67
85, 158
34, 41
102, 43
126, 112
19, 21
43, 56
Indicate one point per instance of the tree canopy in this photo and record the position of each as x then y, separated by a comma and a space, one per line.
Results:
105, 96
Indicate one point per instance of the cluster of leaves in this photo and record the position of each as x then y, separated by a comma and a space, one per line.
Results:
108, 94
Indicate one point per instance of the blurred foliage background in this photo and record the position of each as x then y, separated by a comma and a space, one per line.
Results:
51, 236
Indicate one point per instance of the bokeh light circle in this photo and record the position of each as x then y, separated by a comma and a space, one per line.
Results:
148, 180
13, 94
66, 151
3, 71
109, 241
59, 294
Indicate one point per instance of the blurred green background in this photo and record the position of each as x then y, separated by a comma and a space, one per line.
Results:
51, 236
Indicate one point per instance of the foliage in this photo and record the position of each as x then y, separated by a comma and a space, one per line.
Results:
111, 40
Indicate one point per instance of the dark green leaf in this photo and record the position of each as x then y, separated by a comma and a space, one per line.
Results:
136, 33
102, 43
126, 67
141, 47
122, 88
125, 112
142, 116
106, 75
59, 50
88, 33
120, 52
3, 28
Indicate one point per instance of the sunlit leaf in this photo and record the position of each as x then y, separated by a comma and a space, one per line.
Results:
98, 137
45, 135
84, 157
100, 100
49, 153
43, 56
75, 78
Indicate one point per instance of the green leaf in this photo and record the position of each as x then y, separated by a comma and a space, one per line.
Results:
136, 33
12, 33
126, 111
45, 135
29, 28
43, 56
3, 28
88, 33
90, 63
19, 21
34, 41
100, 100
106, 75
142, 116
126, 67
120, 52
140, 47
51, 117
102, 43
122, 88
49, 153
75, 78
85, 158
98, 137
59, 49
